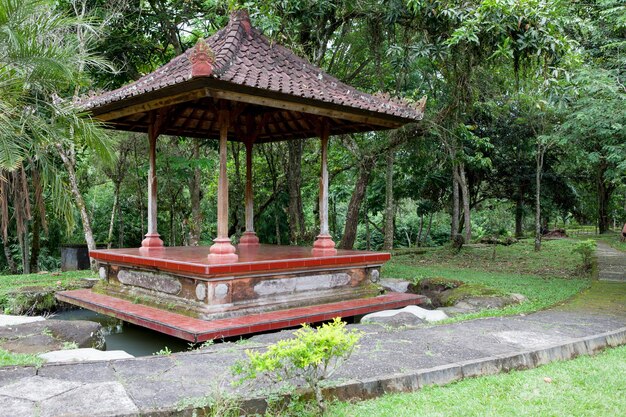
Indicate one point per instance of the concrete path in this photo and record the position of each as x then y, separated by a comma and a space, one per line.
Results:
388, 361
611, 263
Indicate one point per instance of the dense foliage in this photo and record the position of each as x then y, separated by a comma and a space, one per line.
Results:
525, 124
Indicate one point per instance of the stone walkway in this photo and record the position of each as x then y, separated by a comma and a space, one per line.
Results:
611, 263
388, 361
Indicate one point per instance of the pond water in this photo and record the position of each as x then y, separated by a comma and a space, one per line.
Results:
119, 335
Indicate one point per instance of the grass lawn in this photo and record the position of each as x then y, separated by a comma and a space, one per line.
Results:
546, 278
18, 359
586, 386
11, 284
52, 279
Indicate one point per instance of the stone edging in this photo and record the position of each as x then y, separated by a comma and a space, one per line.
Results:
441, 375
445, 374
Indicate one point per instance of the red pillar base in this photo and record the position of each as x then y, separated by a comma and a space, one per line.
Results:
152, 243
222, 252
324, 246
249, 239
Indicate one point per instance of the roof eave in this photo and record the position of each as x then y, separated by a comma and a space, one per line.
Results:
201, 87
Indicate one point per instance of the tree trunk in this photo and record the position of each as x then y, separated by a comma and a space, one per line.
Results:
604, 194
538, 173
519, 214
120, 221
354, 207
368, 232
237, 190
172, 236
68, 162
389, 203
116, 199
430, 224
277, 226
462, 181
418, 243
36, 243
294, 184
454, 226
140, 188
195, 227
25, 249
9, 256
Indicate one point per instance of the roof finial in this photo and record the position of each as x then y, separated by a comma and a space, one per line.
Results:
243, 17
202, 59
420, 105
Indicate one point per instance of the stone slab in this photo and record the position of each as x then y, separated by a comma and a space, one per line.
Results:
10, 374
85, 354
37, 388
16, 407
395, 285
79, 371
8, 320
106, 399
422, 313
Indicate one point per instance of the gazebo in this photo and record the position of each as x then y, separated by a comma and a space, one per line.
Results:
239, 86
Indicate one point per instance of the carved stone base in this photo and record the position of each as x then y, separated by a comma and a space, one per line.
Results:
324, 246
249, 239
151, 244
233, 296
222, 252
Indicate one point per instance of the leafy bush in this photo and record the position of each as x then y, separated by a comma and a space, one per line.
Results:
586, 249
313, 355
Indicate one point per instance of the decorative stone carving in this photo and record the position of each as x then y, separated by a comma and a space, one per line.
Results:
149, 280
374, 275
202, 59
221, 291
299, 284
201, 292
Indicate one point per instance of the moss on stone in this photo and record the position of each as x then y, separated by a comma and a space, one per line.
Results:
452, 296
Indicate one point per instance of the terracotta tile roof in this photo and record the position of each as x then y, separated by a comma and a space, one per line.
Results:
240, 54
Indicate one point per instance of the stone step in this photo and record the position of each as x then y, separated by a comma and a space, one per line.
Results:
85, 354
196, 330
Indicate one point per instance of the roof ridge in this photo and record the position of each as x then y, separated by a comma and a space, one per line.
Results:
238, 27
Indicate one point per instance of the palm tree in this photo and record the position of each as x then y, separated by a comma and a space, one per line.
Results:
42, 62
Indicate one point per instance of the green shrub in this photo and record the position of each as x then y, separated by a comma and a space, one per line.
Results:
313, 355
586, 249
163, 352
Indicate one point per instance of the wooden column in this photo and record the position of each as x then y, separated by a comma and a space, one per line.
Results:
152, 240
249, 238
222, 251
324, 244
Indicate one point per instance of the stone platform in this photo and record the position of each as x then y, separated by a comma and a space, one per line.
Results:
265, 278
178, 291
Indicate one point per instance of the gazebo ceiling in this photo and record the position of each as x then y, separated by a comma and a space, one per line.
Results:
271, 93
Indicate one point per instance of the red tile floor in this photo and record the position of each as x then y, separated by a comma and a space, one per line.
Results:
194, 259
196, 330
